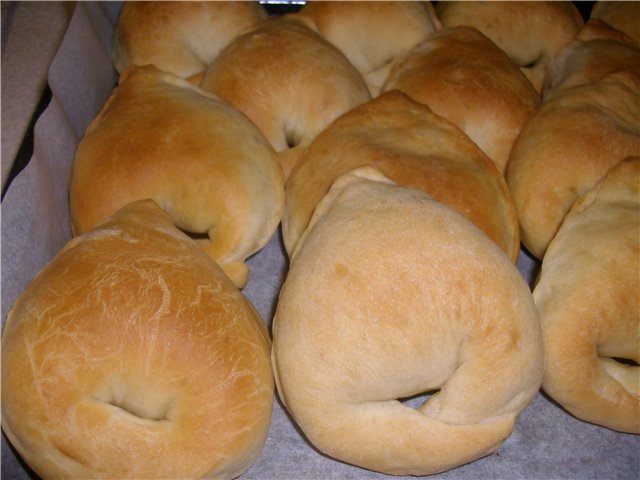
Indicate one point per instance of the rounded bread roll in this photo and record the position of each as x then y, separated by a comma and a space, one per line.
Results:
390, 295
464, 77
201, 160
182, 38
131, 355
531, 33
373, 34
576, 136
288, 80
623, 16
597, 51
588, 296
413, 147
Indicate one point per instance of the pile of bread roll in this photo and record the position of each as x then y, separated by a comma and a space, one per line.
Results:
407, 150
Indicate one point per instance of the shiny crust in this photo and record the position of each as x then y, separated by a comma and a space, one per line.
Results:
623, 16
589, 304
413, 147
464, 77
391, 294
131, 355
197, 157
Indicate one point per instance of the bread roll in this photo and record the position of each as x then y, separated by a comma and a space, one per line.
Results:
201, 160
373, 34
288, 80
580, 131
131, 355
623, 16
182, 38
413, 147
389, 295
464, 77
588, 296
531, 33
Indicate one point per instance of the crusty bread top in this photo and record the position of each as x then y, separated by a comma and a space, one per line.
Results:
464, 77
531, 33
131, 355
182, 38
588, 122
205, 163
391, 294
413, 147
621, 15
588, 296
373, 34
287, 79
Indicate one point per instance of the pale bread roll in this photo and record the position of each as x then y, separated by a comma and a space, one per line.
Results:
182, 38
530, 32
588, 296
413, 147
200, 159
621, 15
464, 77
391, 294
288, 80
373, 34
579, 132
131, 355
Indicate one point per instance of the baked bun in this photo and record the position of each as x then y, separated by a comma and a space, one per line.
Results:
182, 38
390, 295
131, 355
531, 33
288, 80
202, 161
464, 77
588, 296
373, 34
623, 16
579, 132
413, 147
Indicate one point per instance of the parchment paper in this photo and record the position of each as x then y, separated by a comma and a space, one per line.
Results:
547, 443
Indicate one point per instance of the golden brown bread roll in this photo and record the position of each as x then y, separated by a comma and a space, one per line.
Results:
623, 16
464, 77
391, 294
131, 355
373, 34
579, 132
288, 80
202, 161
413, 147
530, 32
182, 38
597, 51
588, 296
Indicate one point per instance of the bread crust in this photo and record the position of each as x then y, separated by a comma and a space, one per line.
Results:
588, 122
531, 33
288, 80
391, 294
202, 161
132, 355
413, 147
464, 77
588, 296
182, 38
373, 34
